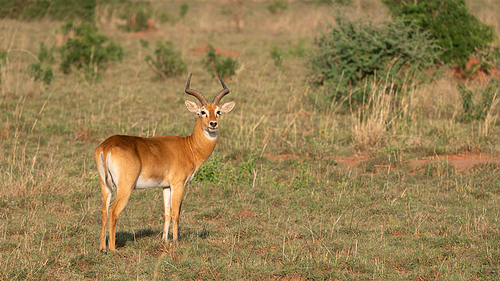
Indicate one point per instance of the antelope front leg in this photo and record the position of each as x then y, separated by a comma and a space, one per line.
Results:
177, 191
167, 202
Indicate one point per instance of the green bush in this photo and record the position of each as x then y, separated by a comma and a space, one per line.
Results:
215, 64
36, 71
168, 62
46, 55
184, 9
210, 171
134, 13
3, 56
477, 110
277, 55
457, 31
136, 21
3, 59
299, 50
353, 51
166, 17
53, 9
292, 51
277, 6
89, 52
144, 43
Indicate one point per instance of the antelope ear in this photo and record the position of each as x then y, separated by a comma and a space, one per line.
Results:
192, 106
227, 107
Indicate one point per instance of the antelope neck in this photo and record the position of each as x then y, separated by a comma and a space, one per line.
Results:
201, 145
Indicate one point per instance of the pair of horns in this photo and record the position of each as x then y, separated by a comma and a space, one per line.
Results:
202, 98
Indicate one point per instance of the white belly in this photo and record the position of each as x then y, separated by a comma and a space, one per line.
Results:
149, 183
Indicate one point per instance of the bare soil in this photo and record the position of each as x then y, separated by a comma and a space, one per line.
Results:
461, 161
472, 72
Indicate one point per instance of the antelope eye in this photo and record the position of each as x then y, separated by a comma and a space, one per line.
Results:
203, 112
218, 112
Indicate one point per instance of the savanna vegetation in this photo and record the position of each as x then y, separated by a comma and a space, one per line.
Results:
321, 170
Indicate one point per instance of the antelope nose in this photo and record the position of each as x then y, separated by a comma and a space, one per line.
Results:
213, 124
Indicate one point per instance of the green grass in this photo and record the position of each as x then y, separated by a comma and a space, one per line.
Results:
248, 215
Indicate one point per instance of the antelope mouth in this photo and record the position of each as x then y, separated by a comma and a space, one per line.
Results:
212, 129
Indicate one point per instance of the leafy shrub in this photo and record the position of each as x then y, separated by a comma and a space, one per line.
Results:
277, 55
46, 55
166, 17
217, 170
134, 13
53, 9
477, 110
457, 31
210, 171
3, 59
36, 71
184, 9
136, 21
144, 43
304, 177
300, 50
353, 51
3, 56
89, 51
168, 62
277, 6
215, 64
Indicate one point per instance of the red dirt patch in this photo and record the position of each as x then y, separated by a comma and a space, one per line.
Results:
4, 134
350, 161
396, 232
280, 156
203, 50
151, 26
461, 161
246, 214
295, 277
480, 76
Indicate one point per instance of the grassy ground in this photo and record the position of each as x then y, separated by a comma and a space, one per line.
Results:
272, 202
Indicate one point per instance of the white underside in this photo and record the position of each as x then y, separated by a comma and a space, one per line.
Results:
150, 183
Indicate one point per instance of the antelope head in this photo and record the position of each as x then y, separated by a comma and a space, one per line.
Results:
209, 113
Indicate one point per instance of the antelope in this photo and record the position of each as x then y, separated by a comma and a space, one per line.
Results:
126, 162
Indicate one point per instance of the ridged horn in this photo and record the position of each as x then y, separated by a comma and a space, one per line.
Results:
195, 93
222, 93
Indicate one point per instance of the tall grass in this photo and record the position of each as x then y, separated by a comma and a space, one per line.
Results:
369, 125
491, 116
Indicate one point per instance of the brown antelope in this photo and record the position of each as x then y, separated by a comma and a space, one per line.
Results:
170, 162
